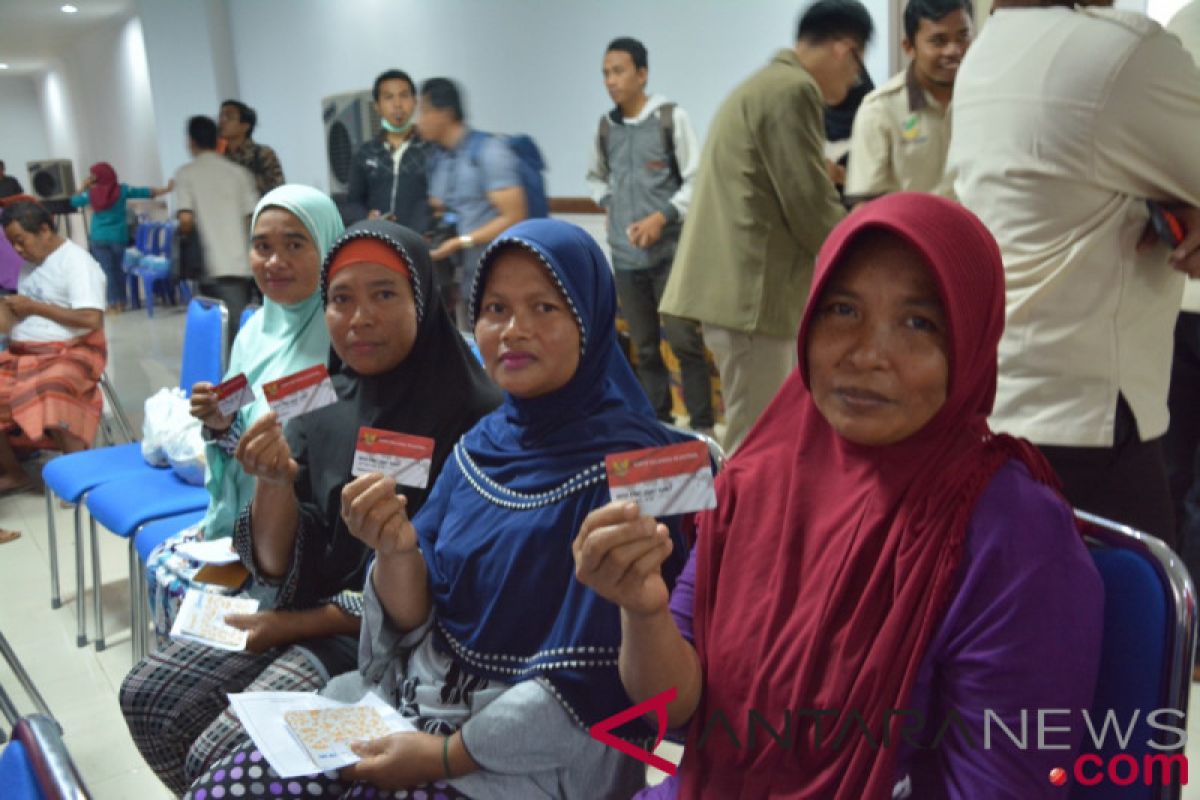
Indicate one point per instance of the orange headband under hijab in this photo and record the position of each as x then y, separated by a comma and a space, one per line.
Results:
368, 251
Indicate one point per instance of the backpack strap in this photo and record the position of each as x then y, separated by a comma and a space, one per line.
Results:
475, 146
666, 123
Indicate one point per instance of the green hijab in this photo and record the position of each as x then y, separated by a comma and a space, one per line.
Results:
275, 342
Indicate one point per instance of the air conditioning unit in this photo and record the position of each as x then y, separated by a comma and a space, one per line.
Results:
350, 120
52, 179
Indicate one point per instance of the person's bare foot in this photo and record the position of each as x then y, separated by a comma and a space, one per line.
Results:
7, 536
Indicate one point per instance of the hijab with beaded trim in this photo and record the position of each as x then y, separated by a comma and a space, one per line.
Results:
497, 530
440, 390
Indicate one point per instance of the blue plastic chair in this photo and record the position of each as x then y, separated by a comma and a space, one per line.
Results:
1147, 654
35, 765
154, 270
145, 540
133, 258
248, 312
123, 507
73, 475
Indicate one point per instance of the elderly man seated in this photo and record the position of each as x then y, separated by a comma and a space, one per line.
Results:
50, 374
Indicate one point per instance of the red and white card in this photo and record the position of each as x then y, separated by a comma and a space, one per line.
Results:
676, 479
300, 392
234, 394
406, 459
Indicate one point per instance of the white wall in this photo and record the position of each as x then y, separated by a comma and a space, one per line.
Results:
109, 94
22, 128
58, 110
525, 65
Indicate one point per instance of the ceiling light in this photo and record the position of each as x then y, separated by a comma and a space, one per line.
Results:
3, 66
69, 9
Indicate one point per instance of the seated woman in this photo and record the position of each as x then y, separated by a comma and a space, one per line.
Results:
397, 364
291, 231
50, 373
474, 627
875, 549
110, 228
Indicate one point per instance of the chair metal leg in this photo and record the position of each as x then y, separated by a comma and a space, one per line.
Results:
80, 602
135, 615
97, 584
23, 676
55, 595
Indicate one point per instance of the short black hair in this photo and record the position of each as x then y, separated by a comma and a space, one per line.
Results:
203, 132
1, 165
835, 19
444, 93
932, 10
29, 215
245, 113
392, 75
636, 50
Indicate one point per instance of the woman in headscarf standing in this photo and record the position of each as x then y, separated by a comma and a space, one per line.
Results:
110, 229
398, 364
474, 626
879, 564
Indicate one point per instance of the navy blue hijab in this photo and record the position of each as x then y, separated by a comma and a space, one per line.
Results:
497, 530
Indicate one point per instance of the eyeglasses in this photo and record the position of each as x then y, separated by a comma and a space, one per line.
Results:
862, 68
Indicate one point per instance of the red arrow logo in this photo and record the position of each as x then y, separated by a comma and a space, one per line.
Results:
657, 704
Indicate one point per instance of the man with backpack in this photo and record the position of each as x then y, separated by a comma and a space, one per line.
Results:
642, 165
476, 177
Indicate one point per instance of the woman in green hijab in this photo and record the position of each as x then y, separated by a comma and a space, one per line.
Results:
292, 230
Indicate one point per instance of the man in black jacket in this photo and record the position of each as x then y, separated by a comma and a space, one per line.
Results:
388, 175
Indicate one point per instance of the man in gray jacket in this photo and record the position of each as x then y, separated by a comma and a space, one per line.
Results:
642, 164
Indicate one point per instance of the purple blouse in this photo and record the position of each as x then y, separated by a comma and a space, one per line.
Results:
1022, 631
10, 264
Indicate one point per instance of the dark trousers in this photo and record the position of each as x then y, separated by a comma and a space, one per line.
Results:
1182, 443
640, 291
236, 293
111, 256
1126, 483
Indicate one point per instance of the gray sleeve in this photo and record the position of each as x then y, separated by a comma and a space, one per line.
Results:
380, 643
524, 730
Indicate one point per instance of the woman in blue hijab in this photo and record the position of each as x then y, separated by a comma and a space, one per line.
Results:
474, 626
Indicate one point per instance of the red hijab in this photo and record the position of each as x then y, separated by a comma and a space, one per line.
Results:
827, 566
105, 191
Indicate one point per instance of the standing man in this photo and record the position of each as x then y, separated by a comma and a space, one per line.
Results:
9, 185
902, 131
1066, 119
215, 197
643, 162
478, 181
50, 373
236, 122
763, 205
388, 176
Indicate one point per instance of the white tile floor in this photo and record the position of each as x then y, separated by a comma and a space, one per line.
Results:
80, 685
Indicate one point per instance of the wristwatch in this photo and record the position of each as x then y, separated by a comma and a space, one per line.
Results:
466, 241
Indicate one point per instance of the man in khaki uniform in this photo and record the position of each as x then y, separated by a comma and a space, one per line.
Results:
902, 130
1066, 120
763, 204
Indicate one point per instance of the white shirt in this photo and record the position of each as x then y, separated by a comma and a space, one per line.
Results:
222, 195
1186, 25
1065, 121
70, 278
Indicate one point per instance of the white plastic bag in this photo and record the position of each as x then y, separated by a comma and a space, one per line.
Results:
163, 412
184, 448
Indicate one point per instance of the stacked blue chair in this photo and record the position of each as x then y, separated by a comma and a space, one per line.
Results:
124, 505
1146, 660
154, 270
147, 538
73, 476
133, 257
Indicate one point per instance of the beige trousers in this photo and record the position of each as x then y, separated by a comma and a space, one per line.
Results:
753, 367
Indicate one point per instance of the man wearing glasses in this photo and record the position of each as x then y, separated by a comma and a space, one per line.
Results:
902, 130
763, 204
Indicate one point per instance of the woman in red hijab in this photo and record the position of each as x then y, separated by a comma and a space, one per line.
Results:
110, 228
883, 578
